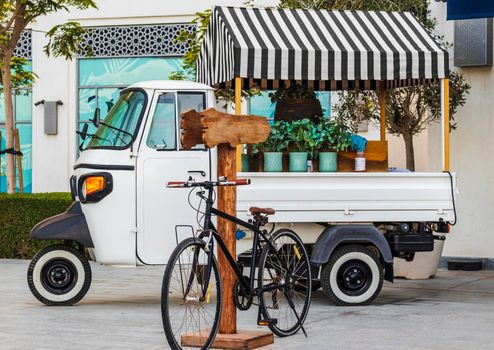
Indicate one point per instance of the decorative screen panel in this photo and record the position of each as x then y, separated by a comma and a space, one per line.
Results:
135, 41
24, 46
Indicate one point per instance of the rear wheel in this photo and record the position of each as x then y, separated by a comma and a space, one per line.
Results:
285, 271
190, 317
352, 276
59, 275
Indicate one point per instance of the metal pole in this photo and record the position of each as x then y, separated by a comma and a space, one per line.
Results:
238, 111
445, 124
18, 158
382, 110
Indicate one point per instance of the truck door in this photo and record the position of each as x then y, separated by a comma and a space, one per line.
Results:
161, 159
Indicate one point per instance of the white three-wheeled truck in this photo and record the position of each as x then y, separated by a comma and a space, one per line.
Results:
124, 215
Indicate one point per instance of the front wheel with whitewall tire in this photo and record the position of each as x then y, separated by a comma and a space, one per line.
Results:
59, 275
353, 276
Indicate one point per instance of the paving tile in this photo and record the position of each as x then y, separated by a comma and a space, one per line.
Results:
454, 311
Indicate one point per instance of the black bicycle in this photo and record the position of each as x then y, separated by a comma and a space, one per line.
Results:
191, 294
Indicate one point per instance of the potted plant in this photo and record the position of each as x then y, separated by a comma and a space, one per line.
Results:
303, 138
273, 147
334, 138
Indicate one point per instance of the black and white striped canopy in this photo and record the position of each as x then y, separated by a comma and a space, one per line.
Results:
326, 50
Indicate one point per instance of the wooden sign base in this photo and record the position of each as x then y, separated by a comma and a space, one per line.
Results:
242, 340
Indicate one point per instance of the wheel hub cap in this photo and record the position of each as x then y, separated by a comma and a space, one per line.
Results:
354, 277
59, 276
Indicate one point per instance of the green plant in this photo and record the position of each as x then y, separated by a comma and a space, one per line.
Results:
303, 136
19, 213
293, 91
356, 107
277, 140
335, 137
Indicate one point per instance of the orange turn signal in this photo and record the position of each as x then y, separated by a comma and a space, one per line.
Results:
94, 184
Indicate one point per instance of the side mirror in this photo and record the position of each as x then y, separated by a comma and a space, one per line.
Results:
96, 119
83, 132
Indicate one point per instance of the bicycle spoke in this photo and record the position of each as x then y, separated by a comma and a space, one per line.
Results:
190, 309
285, 278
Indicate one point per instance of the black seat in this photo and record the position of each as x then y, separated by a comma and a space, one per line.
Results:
256, 211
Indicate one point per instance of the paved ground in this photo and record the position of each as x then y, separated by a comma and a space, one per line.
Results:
455, 310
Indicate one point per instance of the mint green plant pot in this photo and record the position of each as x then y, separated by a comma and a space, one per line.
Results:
273, 162
328, 162
298, 161
245, 163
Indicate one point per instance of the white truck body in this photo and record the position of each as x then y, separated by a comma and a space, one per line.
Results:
141, 214
361, 219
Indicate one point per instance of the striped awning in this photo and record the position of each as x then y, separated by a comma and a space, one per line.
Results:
326, 50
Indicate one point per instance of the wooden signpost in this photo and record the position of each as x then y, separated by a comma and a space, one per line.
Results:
226, 132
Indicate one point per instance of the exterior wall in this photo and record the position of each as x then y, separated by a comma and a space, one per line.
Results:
472, 145
54, 155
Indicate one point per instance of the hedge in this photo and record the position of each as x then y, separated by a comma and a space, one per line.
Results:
18, 215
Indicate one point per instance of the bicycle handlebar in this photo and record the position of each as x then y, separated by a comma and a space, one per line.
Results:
223, 182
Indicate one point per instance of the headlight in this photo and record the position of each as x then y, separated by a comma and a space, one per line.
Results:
94, 187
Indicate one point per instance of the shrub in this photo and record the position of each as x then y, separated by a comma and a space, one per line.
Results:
18, 215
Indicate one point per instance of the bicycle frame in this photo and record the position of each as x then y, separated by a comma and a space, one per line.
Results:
211, 229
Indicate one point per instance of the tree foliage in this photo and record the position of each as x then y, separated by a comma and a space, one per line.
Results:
420, 8
194, 40
16, 16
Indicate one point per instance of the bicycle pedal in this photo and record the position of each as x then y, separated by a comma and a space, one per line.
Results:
267, 322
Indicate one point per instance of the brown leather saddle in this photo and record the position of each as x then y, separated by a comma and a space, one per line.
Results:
266, 211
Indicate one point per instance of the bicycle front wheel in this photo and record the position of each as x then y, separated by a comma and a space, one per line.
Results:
285, 283
191, 297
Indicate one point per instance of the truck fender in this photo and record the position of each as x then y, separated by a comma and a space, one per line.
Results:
334, 236
70, 225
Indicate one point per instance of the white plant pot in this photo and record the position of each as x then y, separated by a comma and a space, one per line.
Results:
423, 266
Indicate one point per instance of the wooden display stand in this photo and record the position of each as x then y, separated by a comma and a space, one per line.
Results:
241, 340
376, 158
226, 131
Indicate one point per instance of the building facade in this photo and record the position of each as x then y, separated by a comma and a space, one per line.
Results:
472, 145
135, 41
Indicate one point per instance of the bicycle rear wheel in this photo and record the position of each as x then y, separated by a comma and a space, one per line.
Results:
190, 316
285, 278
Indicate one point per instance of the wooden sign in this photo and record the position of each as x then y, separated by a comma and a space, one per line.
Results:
212, 128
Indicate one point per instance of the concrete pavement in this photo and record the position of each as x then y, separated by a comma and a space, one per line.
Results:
455, 310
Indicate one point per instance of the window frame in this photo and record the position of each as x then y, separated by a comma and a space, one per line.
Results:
148, 132
138, 125
179, 130
15, 93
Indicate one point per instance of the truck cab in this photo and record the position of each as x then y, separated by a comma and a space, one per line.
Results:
137, 148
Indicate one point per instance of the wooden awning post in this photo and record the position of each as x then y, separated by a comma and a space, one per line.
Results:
238, 111
382, 110
445, 123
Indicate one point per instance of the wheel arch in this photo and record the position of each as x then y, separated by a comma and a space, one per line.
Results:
338, 235
68, 226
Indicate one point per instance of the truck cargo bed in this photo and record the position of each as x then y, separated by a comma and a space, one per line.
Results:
350, 197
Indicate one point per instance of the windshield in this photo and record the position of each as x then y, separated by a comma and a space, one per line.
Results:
119, 127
